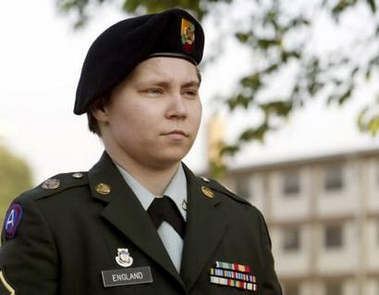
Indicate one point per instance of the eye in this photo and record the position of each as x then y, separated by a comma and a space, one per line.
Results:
154, 91
191, 92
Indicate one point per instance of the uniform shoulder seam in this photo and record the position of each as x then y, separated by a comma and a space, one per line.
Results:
217, 186
57, 184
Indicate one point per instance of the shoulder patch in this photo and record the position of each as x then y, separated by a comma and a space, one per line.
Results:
216, 186
59, 183
12, 220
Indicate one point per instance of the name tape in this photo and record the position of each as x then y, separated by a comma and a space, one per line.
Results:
130, 276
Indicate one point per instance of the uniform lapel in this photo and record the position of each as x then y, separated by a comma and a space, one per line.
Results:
124, 211
206, 225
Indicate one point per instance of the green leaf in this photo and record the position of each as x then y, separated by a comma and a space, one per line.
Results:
265, 43
372, 5
239, 100
229, 150
254, 133
346, 95
286, 55
273, 67
374, 125
279, 108
243, 37
217, 170
253, 82
368, 120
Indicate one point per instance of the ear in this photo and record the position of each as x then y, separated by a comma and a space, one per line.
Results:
99, 110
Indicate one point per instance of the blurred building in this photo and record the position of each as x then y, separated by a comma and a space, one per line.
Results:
323, 216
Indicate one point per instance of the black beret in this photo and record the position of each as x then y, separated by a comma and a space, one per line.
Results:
120, 48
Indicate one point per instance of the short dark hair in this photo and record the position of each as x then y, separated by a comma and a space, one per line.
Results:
93, 125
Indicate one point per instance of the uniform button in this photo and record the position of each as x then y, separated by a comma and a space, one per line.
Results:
77, 175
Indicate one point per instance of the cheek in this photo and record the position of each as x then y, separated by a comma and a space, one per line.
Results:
134, 117
197, 113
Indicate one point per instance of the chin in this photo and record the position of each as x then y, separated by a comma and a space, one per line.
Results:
172, 158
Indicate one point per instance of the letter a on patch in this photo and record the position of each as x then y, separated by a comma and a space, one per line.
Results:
12, 220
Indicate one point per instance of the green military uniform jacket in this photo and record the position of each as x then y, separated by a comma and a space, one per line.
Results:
65, 236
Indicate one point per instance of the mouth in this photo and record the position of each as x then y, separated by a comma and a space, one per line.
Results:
176, 134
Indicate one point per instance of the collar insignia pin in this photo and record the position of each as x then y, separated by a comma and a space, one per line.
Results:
184, 205
103, 188
207, 192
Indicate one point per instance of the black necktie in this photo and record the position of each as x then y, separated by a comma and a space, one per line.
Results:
165, 209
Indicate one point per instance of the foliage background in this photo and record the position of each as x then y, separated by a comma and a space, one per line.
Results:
15, 177
282, 38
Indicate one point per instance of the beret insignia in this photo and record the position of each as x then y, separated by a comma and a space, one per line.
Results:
188, 35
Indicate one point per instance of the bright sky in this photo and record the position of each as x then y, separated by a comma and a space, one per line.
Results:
40, 62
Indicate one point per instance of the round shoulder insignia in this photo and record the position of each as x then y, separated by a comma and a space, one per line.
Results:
12, 220
207, 192
103, 188
52, 183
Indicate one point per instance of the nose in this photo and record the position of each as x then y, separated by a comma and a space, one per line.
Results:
177, 108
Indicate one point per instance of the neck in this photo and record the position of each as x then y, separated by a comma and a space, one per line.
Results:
154, 178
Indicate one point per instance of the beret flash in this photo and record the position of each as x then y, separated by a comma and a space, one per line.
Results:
120, 48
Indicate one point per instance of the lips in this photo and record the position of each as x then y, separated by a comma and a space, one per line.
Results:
176, 133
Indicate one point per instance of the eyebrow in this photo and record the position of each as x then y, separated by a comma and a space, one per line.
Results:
192, 83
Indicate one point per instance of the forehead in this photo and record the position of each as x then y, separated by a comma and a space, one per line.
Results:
165, 67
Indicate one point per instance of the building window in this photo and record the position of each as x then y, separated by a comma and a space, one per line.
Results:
243, 187
333, 288
291, 239
333, 177
291, 183
333, 236
291, 289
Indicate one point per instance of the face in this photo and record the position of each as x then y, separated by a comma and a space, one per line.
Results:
153, 116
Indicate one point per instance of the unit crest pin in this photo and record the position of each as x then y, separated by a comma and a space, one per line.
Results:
123, 257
